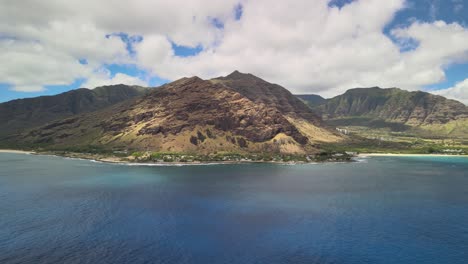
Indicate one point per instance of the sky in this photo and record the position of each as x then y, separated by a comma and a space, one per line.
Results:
309, 47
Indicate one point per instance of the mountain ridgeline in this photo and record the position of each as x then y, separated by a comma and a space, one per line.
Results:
19, 115
398, 109
238, 113
312, 99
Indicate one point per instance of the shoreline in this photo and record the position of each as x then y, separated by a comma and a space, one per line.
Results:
362, 155
14, 151
121, 161
118, 161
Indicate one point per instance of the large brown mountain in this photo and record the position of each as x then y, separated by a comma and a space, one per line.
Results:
262, 92
19, 115
376, 106
236, 113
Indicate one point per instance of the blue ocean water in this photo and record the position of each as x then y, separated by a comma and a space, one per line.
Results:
379, 210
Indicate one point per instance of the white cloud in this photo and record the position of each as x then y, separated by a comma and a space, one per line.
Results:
311, 48
303, 45
103, 77
42, 41
459, 92
30, 65
153, 50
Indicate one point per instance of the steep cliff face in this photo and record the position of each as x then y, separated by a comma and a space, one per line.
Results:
423, 110
412, 108
18, 115
193, 115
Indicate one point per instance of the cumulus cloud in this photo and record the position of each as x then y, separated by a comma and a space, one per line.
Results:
103, 77
306, 46
29, 65
43, 41
459, 92
310, 47
50, 56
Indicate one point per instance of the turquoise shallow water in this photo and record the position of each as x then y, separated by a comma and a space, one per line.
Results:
379, 210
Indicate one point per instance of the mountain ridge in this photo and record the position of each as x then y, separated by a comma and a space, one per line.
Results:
434, 114
195, 115
237, 113
19, 114
413, 108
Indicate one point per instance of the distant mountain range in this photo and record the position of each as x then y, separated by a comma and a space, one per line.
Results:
22, 114
237, 113
396, 109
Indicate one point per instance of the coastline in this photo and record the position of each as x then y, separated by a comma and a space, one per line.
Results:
16, 151
125, 161
119, 161
362, 155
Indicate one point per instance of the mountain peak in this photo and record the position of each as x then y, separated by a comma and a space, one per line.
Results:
366, 91
237, 75
185, 81
194, 78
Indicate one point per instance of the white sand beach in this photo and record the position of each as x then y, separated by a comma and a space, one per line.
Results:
15, 151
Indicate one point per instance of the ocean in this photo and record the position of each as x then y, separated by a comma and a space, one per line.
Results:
377, 210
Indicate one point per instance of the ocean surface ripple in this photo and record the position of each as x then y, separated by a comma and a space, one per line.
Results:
377, 210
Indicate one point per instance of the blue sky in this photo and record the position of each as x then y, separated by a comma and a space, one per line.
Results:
156, 56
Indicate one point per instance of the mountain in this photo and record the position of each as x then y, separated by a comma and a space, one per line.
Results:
262, 92
237, 113
397, 109
311, 99
21, 114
